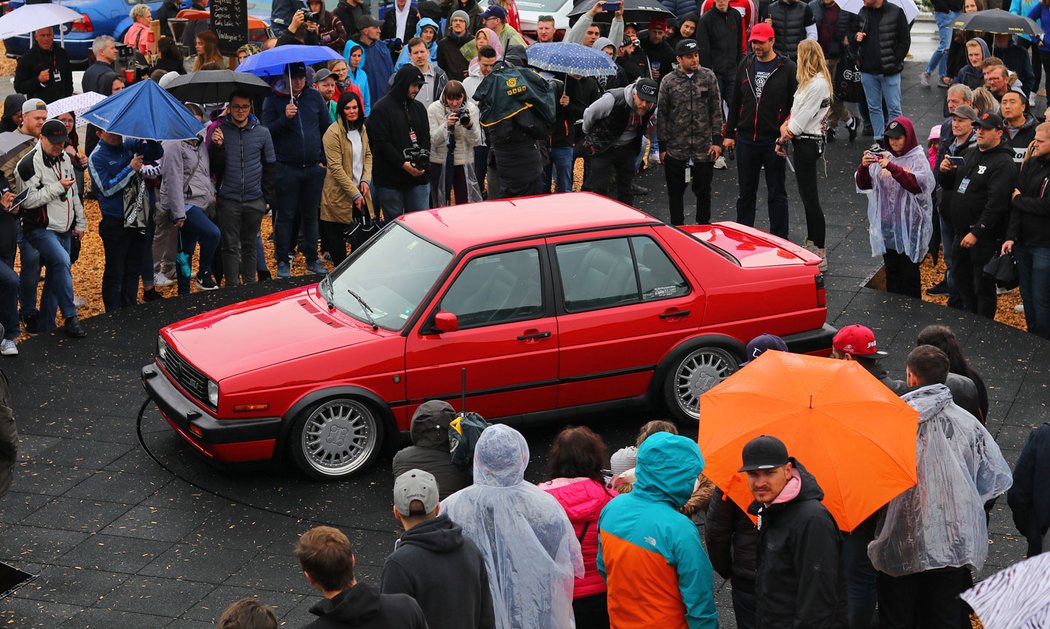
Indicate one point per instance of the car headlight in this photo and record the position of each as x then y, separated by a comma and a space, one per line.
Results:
162, 348
213, 393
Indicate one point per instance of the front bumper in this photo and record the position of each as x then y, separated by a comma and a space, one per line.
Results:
225, 440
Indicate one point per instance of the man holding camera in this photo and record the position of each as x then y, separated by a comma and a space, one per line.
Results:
399, 133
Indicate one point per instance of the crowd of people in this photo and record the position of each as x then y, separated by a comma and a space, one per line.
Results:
634, 540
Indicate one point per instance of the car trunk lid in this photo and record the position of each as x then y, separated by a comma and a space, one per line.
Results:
750, 247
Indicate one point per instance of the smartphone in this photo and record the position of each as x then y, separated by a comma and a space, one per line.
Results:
610, 7
957, 160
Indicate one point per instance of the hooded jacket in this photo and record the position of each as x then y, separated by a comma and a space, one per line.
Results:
650, 554
466, 138
758, 118
402, 57
430, 450
970, 76
297, 141
982, 187
48, 205
799, 576
1021, 137
613, 121
185, 177
393, 121
35, 60
359, 77
377, 64
362, 607
959, 468
435, 564
718, 35
1018, 60
732, 542
583, 500
12, 105
1029, 223
1029, 497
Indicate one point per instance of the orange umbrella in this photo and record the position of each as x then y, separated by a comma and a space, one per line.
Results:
849, 430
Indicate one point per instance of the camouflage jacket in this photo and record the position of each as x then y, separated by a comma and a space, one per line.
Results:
690, 118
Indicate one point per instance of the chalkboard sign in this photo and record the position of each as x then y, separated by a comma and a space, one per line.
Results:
229, 21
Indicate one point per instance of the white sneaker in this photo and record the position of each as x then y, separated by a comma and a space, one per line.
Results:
160, 280
924, 79
1018, 308
999, 290
79, 301
8, 348
720, 163
654, 158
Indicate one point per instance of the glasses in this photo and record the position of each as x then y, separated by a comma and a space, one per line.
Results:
240, 107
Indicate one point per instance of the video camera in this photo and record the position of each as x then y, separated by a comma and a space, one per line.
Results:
418, 156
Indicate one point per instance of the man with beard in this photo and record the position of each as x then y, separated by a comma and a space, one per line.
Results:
379, 66
399, 133
449, 57
615, 126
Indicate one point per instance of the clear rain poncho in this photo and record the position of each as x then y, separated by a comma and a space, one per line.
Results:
530, 549
941, 521
899, 220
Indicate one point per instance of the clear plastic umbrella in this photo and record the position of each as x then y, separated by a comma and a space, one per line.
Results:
30, 17
77, 103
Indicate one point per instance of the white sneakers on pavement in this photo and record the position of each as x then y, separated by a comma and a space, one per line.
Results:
924, 79
8, 348
720, 163
161, 280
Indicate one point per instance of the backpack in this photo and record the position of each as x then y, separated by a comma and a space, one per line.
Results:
463, 435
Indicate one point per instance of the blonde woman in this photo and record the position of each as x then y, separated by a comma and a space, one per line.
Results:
138, 34
805, 130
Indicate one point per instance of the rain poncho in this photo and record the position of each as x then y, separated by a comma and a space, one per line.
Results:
941, 522
898, 219
530, 549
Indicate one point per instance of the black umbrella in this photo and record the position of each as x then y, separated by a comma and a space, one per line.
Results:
633, 11
998, 22
11, 143
215, 86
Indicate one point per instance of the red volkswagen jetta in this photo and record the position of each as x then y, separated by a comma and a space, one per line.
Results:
532, 308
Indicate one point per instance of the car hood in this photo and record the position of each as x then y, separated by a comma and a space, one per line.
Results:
264, 331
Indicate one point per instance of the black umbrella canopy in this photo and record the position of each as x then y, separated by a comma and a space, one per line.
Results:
215, 86
633, 10
998, 22
11, 143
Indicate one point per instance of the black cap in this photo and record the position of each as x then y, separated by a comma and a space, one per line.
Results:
991, 121
55, 132
364, 21
646, 89
896, 130
764, 453
686, 47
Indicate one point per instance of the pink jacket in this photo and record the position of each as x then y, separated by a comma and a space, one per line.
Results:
583, 499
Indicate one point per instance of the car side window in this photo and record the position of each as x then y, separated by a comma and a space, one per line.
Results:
497, 288
616, 272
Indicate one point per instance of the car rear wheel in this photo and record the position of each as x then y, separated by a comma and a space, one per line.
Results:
336, 439
694, 373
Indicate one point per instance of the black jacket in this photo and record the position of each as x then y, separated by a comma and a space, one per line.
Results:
389, 30
27, 74
1021, 138
789, 23
348, 14
659, 53
92, 81
830, 36
393, 119
581, 92
759, 118
1029, 223
434, 564
732, 541
887, 39
718, 36
165, 12
450, 59
800, 581
947, 6
1029, 497
362, 607
635, 65
986, 180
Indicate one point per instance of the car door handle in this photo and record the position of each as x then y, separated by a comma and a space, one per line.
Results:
533, 335
674, 314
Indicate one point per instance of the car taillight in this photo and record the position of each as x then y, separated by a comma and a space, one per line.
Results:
83, 25
822, 294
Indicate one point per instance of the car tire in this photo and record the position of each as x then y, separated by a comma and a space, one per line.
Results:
336, 438
691, 375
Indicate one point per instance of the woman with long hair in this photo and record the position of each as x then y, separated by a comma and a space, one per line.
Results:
805, 129
207, 47
170, 56
347, 194
942, 337
455, 129
576, 463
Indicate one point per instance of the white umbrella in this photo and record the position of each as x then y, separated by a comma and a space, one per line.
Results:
30, 17
77, 103
854, 6
1015, 598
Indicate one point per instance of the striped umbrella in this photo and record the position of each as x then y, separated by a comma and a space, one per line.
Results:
1015, 598
571, 58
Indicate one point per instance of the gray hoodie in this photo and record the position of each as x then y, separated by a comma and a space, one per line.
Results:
185, 177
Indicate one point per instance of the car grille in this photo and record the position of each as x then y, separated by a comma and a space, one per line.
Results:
186, 375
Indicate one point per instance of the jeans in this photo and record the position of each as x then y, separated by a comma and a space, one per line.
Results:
58, 287
674, 175
807, 156
976, 289
298, 203
9, 285
198, 229
939, 58
396, 202
124, 251
902, 275
924, 599
618, 163
876, 88
751, 158
1033, 265
947, 245
28, 274
745, 605
239, 225
861, 591
146, 262
561, 169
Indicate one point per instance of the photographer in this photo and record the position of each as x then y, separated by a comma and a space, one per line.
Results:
454, 132
301, 30
399, 133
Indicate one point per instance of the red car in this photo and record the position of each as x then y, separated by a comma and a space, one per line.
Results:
532, 308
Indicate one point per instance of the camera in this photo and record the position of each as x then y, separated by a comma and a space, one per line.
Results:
418, 156
312, 16
464, 115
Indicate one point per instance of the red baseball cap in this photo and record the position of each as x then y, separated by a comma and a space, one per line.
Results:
761, 32
857, 340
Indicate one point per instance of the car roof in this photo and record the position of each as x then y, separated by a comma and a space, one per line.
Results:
461, 227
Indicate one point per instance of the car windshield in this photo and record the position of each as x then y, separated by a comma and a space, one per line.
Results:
385, 284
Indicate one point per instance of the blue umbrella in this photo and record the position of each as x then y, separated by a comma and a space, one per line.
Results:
570, 58
146, 112
272, 62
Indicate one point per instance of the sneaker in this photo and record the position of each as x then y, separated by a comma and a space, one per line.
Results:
206, 282
924, 79
654, 158
161, 280
938, 289
151, 295
284, 271
74, 329
318, 267
829, 136
32, 323
1019, 308
851, 126
263, 275
8, 348
999, 290
823, 266
1031, 100
79, 301
720, 163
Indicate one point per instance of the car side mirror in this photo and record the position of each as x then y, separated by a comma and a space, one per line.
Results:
446, 321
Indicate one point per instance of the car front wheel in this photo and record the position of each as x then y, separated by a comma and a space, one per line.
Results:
336, 438
694, 373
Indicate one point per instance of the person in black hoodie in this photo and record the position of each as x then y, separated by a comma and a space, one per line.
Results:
327, 560
12, 117
979, 211
433, 562
1020, 125
397, 128
798, 575
430, 450
719, 34
44, 71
